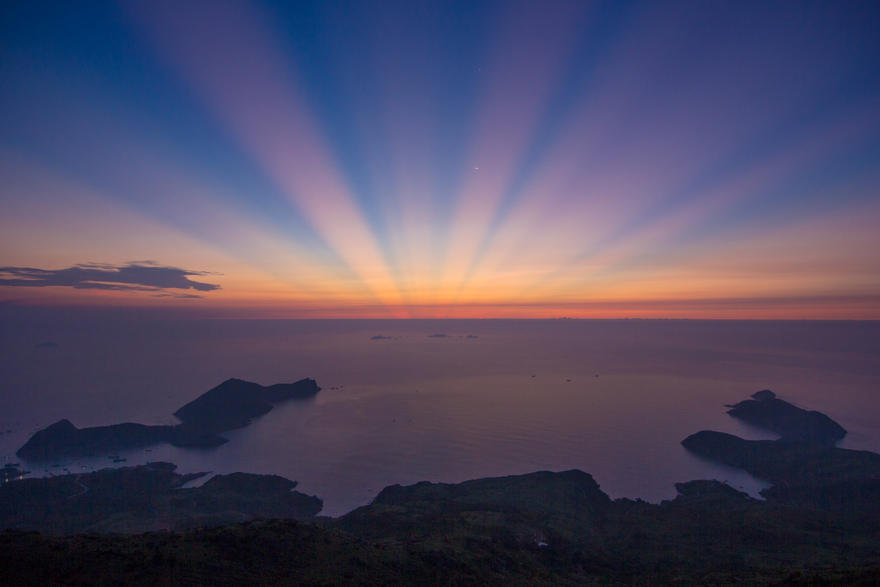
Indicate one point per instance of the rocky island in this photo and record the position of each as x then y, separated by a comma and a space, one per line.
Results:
792, 423
232, 404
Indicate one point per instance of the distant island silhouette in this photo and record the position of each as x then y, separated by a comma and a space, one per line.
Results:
230, 405
792, 423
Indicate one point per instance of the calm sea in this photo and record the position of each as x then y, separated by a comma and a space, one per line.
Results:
443, 400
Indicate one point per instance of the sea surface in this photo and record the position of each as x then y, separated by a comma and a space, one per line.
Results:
438, 400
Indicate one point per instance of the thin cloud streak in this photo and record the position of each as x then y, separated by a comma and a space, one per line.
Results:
137, 276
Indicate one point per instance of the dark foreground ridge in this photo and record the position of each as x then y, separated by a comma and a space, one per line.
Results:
148, 498
232, 404
540, 528
818, 525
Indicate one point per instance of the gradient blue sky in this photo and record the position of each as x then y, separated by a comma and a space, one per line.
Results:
471, 159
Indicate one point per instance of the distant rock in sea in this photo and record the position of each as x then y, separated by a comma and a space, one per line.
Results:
792, 423
232, 404
763, 394
437, 335
380, 337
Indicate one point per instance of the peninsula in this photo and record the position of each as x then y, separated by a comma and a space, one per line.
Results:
230, 405
804, 465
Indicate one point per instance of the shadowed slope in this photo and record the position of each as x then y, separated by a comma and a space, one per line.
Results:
145, 498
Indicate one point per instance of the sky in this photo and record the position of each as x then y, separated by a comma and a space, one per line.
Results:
442, 159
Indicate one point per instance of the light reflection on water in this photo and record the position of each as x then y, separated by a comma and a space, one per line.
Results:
613, 398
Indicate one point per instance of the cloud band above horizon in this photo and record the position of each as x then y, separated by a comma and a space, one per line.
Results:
136, 276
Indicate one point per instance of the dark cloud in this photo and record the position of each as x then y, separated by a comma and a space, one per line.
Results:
380, 337
135, 276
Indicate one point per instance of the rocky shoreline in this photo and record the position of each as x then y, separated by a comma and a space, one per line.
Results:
820, 521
